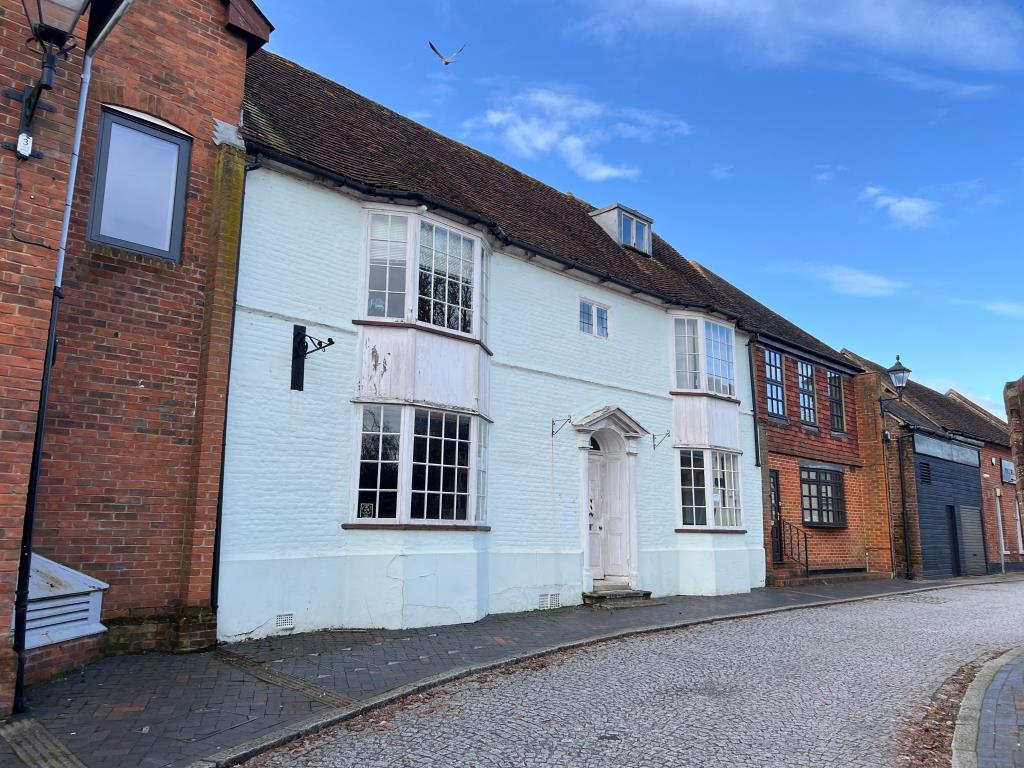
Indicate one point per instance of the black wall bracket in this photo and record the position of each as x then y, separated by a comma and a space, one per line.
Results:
303, 345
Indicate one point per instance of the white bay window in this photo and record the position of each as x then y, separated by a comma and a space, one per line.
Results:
713, 371
420, 465
437, 265
721, 485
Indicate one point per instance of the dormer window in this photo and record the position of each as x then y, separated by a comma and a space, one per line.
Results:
625, 226
634, 232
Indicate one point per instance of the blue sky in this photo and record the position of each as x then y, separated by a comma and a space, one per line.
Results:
857, 165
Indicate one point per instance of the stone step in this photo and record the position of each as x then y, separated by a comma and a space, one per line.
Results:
616, 597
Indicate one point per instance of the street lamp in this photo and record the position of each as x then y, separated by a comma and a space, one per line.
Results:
52, 23
899, 375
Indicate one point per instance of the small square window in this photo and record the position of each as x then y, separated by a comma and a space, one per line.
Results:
139, 186
634, 232
593, 319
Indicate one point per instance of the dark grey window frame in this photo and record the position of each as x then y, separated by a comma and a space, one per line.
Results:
808, 398
836, 404
835, 479
775, 387
108, 118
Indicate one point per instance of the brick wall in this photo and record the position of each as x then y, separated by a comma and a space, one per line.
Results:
131, 467
1013, 394
864, 543
991, 480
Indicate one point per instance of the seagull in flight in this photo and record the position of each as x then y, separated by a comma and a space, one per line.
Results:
446, 60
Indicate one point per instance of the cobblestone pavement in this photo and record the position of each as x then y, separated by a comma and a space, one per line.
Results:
167, 711
1001, 727
820, 687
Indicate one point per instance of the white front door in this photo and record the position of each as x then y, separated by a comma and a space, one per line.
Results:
616, 532
598, 505
609, 532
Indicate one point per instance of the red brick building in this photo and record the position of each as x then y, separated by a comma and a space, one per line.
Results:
131, 467
823, 519
947, 469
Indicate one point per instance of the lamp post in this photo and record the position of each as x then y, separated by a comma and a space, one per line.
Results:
52, 23
899, 375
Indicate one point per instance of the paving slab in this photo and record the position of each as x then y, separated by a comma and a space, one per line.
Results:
168, 710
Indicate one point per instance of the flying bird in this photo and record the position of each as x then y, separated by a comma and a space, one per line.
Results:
446, 60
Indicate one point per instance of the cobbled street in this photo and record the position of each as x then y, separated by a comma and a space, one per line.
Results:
818, 687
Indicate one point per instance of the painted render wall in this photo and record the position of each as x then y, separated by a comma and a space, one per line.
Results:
289, 455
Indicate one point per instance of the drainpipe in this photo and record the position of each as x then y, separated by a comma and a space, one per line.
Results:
999, 527
903, 504
753, 401
28, 526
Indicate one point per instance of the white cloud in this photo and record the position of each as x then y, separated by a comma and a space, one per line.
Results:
846, 280
722, 172
1004, 308
823, 172
543, 121
972, 34
921, 82
910, 212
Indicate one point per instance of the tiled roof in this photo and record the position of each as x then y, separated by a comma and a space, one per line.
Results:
301, 116
945, 412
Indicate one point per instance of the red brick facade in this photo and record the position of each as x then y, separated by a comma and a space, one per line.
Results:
862, 544
991, 483
130, 476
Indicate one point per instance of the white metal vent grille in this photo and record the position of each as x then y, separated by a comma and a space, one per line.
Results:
286, 621
549, 600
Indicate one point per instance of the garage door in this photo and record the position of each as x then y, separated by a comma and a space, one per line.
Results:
973, 542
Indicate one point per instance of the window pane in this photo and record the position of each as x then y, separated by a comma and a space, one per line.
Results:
586, 317
774, 383
687, 361
805, 386
718, 346
446, 278
441, 466
692, 487
626, 224
139, 190
641, 236
379, 468
387, 266
602, 322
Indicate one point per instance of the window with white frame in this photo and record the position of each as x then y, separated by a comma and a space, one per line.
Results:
712, 370
446, 278
694, 487
687, 353
379, 462
387, 261
593, 319
419, 465
718, 348
721, 484
425, 272
774, 383
634, 232
805, 388
440, 466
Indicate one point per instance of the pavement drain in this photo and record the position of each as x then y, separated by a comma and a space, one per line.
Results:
262, 672
36, 746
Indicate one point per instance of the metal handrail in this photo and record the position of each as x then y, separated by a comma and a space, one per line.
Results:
794, 545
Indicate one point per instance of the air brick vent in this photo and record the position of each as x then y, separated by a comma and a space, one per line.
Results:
285, 621
926, 473
550, 600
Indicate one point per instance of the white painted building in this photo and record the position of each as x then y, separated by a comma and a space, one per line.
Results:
495, 427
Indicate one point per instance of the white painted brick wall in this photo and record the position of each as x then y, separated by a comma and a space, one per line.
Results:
288, 466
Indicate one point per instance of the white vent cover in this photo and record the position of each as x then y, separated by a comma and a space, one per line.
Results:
549, 600
285, 621
63, 604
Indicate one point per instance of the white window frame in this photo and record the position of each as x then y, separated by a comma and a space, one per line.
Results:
714, 521
475, 497
594, 306
645, 246
412, 268
702, 355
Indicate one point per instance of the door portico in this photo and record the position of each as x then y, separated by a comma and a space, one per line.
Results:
607, 442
